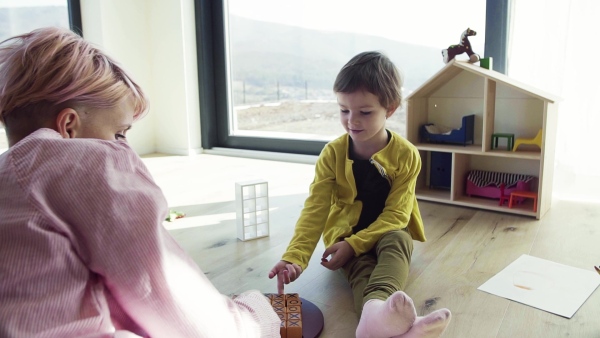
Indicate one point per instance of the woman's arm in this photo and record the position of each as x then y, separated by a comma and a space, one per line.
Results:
113, 214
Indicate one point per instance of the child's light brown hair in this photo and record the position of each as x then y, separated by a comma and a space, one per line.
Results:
374, 72
53, 68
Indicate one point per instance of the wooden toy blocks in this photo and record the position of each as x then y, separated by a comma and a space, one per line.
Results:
289, 309
294, 329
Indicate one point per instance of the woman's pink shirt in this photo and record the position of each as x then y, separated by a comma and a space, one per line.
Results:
83, 252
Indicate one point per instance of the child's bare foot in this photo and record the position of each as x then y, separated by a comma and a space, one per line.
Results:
384, 319
430, 326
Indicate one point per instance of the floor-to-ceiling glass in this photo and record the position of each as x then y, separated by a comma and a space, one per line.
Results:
283, 56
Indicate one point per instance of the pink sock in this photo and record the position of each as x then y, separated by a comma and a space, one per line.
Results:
384, 319
430, 326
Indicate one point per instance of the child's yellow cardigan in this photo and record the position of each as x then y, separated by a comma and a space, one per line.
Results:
330, 209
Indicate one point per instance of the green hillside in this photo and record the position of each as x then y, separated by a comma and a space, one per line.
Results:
264, 54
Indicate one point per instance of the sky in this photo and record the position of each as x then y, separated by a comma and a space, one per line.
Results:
434, 23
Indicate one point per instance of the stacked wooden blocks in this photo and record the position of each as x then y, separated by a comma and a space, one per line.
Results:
289, 309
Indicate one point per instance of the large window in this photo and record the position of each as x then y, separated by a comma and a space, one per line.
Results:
22, 16
267, 67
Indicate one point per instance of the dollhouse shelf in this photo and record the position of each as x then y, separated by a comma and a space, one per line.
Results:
500, 105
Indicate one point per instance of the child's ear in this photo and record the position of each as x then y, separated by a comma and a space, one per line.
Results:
68, 123
390, 111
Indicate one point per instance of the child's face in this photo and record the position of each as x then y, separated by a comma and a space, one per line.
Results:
107, 124
362, 116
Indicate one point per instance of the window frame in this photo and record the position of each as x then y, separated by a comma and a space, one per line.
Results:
211, 43
74, 10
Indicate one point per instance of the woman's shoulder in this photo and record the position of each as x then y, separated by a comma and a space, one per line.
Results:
45, 149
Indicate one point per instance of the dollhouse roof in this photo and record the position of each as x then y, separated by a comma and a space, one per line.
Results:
455, 67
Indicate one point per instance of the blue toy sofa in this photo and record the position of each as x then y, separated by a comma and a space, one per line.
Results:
463, 136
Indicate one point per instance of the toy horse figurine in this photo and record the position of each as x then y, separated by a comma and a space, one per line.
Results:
463, 47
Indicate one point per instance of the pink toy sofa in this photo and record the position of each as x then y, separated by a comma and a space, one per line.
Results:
488, 183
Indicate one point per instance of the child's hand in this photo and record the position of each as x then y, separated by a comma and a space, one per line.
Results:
340, 253
286, 273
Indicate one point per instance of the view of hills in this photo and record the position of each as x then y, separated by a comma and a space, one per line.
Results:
304, 62
280, 64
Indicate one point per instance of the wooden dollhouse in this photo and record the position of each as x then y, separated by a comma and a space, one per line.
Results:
501, 107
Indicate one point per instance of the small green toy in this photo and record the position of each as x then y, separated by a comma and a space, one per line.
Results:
173, 215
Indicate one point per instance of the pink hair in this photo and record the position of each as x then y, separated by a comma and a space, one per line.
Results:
54, 65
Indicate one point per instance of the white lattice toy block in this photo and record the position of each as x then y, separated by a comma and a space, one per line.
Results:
252, 209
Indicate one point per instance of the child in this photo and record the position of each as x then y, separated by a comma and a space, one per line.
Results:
83, 249
362, 201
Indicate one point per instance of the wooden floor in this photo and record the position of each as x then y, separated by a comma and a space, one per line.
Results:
465, 248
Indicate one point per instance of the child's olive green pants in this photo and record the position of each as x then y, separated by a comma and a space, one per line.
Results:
382, 271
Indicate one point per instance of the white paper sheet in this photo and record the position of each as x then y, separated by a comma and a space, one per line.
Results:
548, 286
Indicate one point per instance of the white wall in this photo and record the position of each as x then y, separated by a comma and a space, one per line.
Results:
554, 46
155, 41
